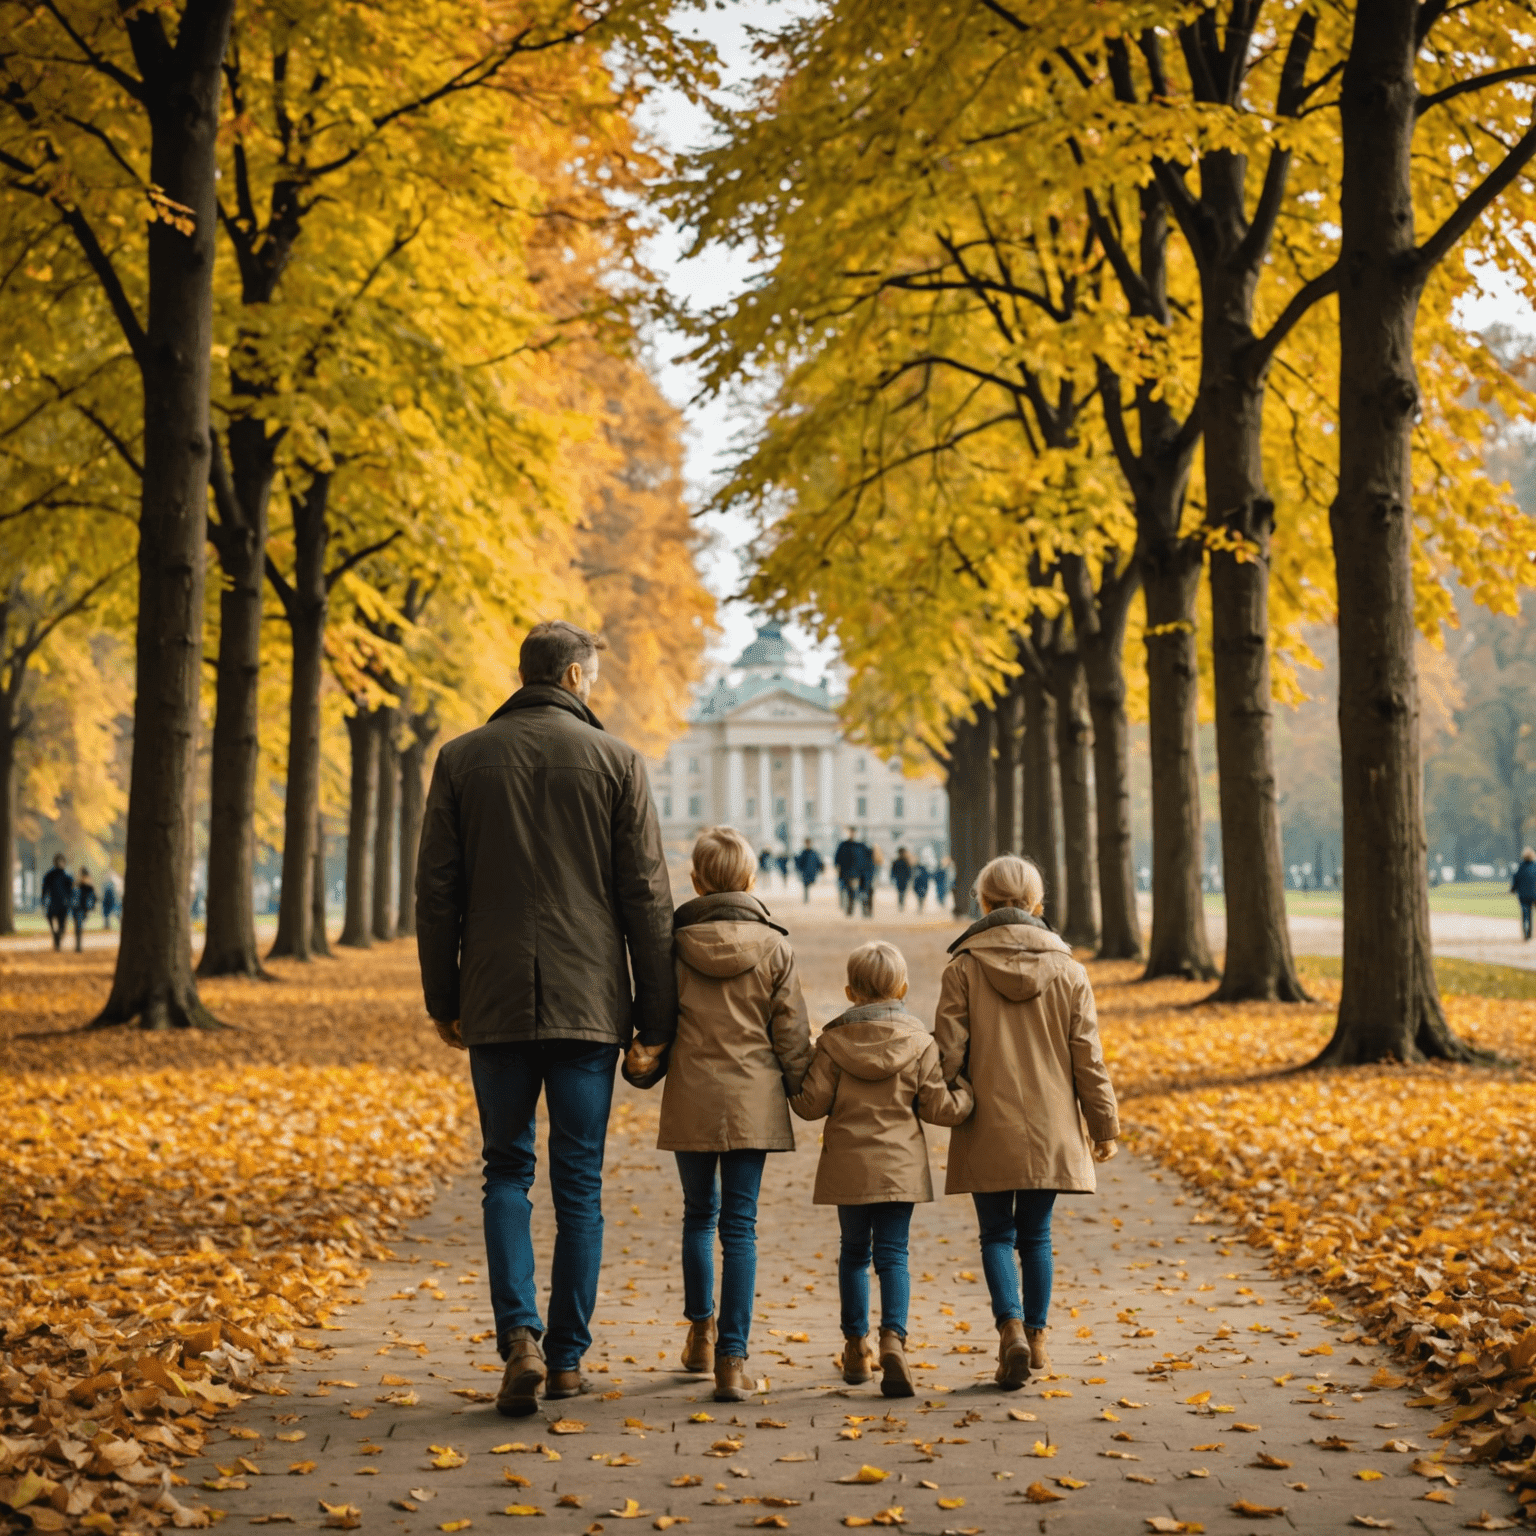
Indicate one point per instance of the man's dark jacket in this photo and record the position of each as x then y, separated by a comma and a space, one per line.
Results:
540, 862
1524, 883
849, 860
58, 891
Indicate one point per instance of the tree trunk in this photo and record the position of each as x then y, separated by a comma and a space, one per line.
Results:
412, 805
7, 822
1171, 580
1100, 620
305, 605
1074, 752
357, 927
971, 795
1390, 1006
153, 981
1008, 712
385, 823
319, 939
1042, 795
240, 539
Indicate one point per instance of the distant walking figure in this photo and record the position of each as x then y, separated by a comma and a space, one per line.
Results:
809, 866
921, 876
1524, 886
58, 895
541, 889
82, 905
943, 878
108, 902
901, 877
849, 860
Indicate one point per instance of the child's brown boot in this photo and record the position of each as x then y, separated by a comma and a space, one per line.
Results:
895, 1373
857, 1360
699, 1348
1038, 1359
732, 1384
1012, 1355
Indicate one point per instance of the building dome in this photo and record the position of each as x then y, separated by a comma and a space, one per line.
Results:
768, 655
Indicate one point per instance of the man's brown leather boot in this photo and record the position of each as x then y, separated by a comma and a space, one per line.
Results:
699, 1349
524, 1375
1012, 1355
895, 1373
1038, 1359
732, 1384
858, 1362
564, 1384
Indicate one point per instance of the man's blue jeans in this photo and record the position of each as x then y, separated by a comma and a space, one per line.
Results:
1017, 1219
878, 1232
576, 1077
730, 1204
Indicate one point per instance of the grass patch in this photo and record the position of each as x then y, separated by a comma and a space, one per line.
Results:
1459, 978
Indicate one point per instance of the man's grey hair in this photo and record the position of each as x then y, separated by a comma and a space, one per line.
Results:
550, 648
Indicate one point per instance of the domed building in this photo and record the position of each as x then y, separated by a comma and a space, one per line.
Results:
765, 753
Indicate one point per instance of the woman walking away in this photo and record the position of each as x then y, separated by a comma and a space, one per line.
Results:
743, 1044
1016, 1017
876, 1077
1524, 886
920, 879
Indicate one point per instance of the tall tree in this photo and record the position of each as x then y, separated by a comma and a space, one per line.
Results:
1390, 1007
73, 80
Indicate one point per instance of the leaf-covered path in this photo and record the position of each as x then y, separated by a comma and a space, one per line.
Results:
1191, 1386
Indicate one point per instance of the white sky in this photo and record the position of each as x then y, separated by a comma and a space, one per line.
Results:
701, 283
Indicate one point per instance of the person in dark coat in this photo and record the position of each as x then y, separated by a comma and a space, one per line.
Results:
870, 860
1524, 886
108, 902
921, 876
58, 896
808, 866
943, 878
541, 889
82, 904
849, 860
901, 877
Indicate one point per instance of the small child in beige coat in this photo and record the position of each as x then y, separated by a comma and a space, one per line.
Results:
876, 1077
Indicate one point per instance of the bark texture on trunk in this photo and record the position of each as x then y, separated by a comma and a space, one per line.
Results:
304, 603
1042, 795
1074, 755
357, 926
319, 938
153, 982
1171, 579
7, 823
240, 540
1100, 621
1390, 1006
413, 797
1008, 715
385, 826
972, 805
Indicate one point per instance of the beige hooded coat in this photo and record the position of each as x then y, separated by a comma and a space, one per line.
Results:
743, 1036
876, 1077
1016, 1015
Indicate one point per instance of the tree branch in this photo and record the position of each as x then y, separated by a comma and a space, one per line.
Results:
1263, 348
1473, 83
96, 61
356, 558
1474, 205
122, 449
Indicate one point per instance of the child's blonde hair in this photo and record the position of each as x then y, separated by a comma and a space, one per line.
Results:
877, 970
723, 860
1009, 881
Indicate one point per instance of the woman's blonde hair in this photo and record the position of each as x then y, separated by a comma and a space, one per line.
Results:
1009, 881
877, 970
723, 860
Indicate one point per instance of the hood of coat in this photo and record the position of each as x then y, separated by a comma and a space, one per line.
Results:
875, 1041
1018, 953
547, 695
724, 934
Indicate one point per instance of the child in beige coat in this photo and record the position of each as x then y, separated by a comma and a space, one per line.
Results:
876, 1077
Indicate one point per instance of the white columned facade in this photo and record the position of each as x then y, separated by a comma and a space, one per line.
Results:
765, 793
825, 811
735, 785
796, 799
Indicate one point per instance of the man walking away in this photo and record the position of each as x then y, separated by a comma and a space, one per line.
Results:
808, 866
108, 902
58, 895
920, 879
83, 904
541, 889
943, 878
870, 865
1524, 886
901, 877
849, 859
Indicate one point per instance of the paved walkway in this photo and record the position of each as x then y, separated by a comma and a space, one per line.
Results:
1190, 1386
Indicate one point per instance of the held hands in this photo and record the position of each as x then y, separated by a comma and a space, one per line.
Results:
449, 1034
640, 1059
1104, 1150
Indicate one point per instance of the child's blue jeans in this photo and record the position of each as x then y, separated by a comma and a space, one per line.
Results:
1017, 1219
877, 1232
729, 1203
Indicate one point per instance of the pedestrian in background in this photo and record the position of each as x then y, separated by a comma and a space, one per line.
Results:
943, 878
809, 866
108, 901
58, 896
849, 860
1524, 886
921, 876
901, 877
82, 904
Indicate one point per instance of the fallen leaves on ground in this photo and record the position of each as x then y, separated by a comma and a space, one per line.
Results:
1403, 1192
